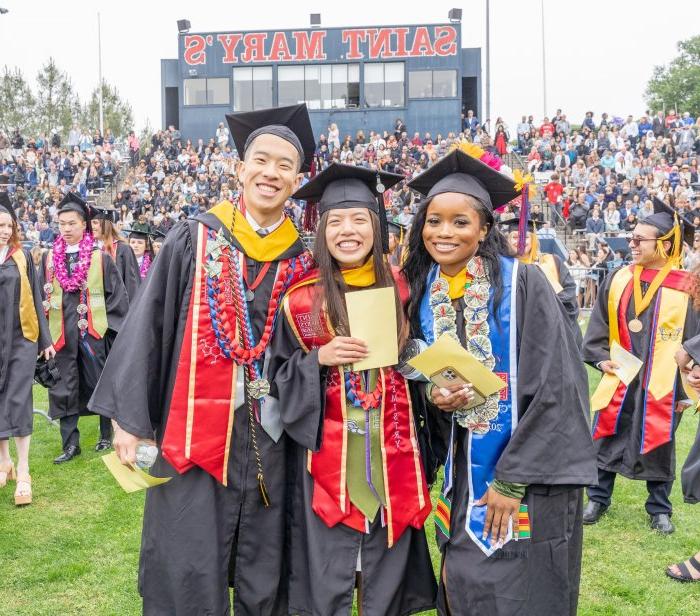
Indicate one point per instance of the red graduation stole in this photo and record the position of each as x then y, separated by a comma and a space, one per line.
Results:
658, 379
200, 419
407, 494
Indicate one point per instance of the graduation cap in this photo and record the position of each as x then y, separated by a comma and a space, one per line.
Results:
511, 222
144, 234
396, 228
73, 202
4, 179
460, 173
346, 186
665, 219
6, 206
105, 213
290, 123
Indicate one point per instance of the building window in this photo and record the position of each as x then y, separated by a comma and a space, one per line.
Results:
321, 86
252, 88
206, 91
432, 84
384, 84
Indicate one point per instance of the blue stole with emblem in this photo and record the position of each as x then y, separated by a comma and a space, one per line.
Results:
484, 450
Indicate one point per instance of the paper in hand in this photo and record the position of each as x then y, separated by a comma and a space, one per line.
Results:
131, 478
446, 358
372, 318
628, 365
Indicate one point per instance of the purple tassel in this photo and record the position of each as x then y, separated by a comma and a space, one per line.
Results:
524, 218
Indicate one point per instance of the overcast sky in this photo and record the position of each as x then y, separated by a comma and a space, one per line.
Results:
599, 53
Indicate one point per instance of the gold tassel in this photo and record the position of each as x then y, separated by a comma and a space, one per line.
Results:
263, 490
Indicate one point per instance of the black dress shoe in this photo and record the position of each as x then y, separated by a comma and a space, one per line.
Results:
103, 445
68, 454
661, 522
593, 512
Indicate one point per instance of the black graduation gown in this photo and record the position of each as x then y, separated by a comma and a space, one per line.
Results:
569, 298
128, 268
621, 453
551, 451
198, 535
17, 354
80, 366
395, 581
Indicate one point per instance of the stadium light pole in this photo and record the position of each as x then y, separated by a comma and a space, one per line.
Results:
544, 65
487, 105
99, 70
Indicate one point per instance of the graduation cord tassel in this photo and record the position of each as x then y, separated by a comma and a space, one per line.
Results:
264, 494
524, 217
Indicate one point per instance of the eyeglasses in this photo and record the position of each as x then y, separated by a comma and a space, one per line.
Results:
636, 241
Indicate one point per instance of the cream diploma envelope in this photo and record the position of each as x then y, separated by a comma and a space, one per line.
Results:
445, 362
372, 318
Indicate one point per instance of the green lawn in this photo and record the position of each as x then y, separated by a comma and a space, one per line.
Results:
75, 550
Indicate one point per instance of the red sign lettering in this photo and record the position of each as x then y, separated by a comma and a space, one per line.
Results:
254, 47
401, 34
229, 43
279, 50
421, 43
445, 41
380, 43
353, 38
194, 49
309, 45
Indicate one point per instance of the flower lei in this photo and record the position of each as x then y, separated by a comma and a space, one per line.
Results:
145, 265
476, 296
75, 281
223, 264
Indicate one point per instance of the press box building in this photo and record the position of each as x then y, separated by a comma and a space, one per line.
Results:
357, 77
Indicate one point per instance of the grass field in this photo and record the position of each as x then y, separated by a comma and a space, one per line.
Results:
75, 550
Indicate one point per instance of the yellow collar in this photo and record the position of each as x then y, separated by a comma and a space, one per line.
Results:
362, 276
267, 248
456, 282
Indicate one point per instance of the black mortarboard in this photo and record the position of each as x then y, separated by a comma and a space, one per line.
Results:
105, 213
460, 173
396, 228
73, 202
143, 234
4, 179
6, 205
289, 123
511, 222
346, 186
664, 219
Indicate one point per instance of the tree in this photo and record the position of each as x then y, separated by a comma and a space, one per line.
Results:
677, 86
117, 113
56, 100
17, 103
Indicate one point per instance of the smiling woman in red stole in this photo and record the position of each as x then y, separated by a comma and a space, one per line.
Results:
359, 492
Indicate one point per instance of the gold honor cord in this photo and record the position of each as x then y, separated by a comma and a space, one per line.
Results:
642, 300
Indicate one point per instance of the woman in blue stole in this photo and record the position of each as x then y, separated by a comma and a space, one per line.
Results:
509, 516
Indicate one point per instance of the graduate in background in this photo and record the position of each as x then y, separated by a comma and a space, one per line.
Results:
369, 526
195, 379
24, 332
85, 301
103, 223
142, 242
509, 516
644, 307
553, 267
397, 235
